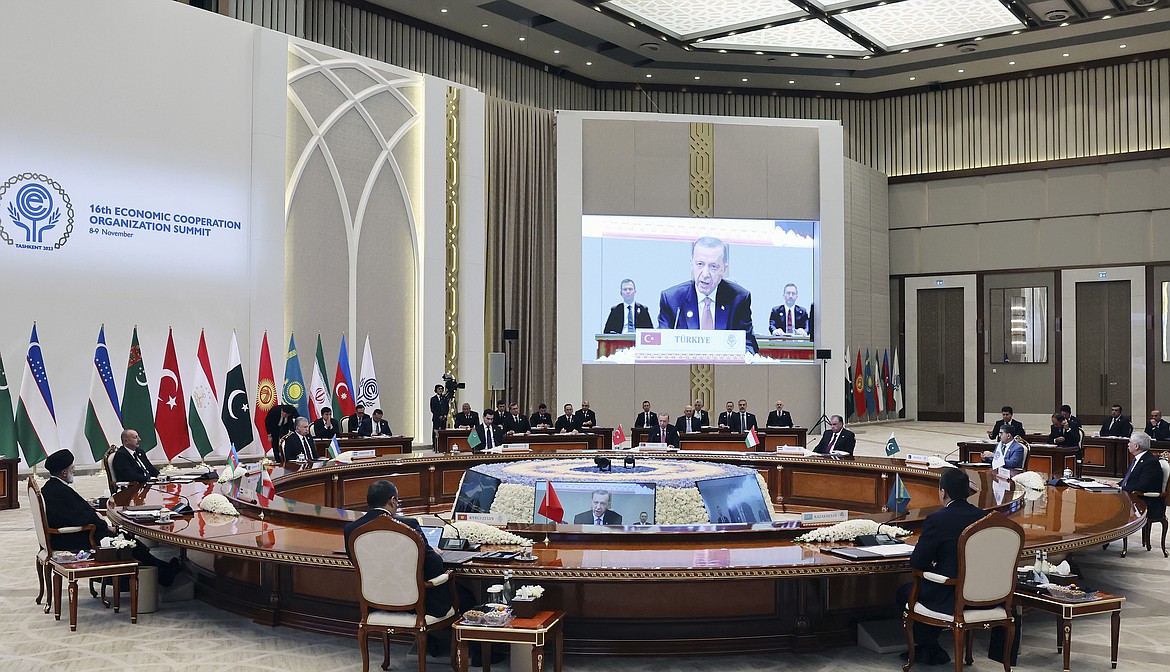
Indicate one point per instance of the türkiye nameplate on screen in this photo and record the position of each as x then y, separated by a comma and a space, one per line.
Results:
665, 346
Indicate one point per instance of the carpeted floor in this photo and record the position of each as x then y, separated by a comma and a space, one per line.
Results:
193, 636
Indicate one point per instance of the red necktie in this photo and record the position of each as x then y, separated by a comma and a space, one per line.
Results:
707, 321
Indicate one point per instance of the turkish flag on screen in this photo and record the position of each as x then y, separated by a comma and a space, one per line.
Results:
550, 506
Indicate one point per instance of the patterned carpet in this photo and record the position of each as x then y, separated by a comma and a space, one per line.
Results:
193, 636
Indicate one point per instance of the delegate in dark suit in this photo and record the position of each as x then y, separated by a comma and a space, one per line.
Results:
1160, 431
678, 308
1016, 425
440, 407
322, 432
779, 319
467, 419
65, 508
646, 419
845, 443
704, 417
132, 466
539, 419
495, 439
938, 551
368, 425
743, 422
725, 418
779, 419
517, 424
565, 423
295, 445
582, 416
657, 435
683, 426
616, 322
586, 518
438, 599
1117, 426
1146, 476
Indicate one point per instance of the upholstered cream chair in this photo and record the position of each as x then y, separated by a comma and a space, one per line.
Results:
988, 551
108, 467
388, 558
45, 539
1148, 528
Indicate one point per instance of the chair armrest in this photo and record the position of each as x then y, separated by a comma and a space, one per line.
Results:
67, 530
72, 530
1151, 494
938, 578
439, 580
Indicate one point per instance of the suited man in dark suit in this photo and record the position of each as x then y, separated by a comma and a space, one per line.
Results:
687, 422
1063, 433
130, 463
584, 418
440, 408
708, 301
725, 416
299, 444
489, 433
1157, 428
701, 413
779, 417
65, 508
515, 422
627, 316
837, 438
741, 420
1145, 475
1016, 425
382, 499
467, 417
355, 421
599, 513
279, 422
564, 422
789, 319
664, 432
501, 413
1116, 424
647, 418
937, 551
374, 425
325, 427
541, 417
1073, 421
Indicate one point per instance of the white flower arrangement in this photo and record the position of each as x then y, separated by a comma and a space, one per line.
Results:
850, 530
680, 506
169, 469
344, 458
122, 542
1031, 480
767, 495
230, 474
479, 533
217, 503
530, 592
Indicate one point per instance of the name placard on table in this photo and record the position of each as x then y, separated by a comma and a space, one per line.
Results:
689, 345
824, 517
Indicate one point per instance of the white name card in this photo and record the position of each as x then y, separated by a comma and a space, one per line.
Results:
818, 517
689, 345
657, 446
515, 448
919, 459
790, 450
362, 454
497, 519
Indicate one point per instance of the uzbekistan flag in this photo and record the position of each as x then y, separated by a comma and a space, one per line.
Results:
36, 422
103, 415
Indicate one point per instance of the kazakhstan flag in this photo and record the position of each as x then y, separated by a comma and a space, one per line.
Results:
294, 380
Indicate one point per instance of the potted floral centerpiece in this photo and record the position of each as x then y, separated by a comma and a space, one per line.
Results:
119, 548
524, 602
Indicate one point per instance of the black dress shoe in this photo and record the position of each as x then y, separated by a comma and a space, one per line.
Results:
928, 655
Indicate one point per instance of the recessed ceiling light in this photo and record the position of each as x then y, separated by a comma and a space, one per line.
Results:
1015, 32
905, 51
649, 76
866, 57
759, 53
697, 77
962, 70
794, 54
1106, 17
744, 79
913, 78
1151, 9
939, 44
837, 83
1122, 46
792, 81
1011, 62
980, 38
523, 38
1064, 25
443, 10
484, 25
723, 51
596, 8
829, 56
588, 62
1065, 55
662, 37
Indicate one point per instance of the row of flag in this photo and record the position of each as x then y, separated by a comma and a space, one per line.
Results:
204, 419
873, 385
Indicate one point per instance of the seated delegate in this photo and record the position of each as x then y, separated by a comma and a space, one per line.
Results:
1008, 453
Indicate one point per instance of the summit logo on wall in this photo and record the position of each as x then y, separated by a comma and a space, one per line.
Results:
35, 212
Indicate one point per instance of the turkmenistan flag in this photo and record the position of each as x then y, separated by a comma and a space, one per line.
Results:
137, 413
103, 414
8, 443
36, 422
236, 416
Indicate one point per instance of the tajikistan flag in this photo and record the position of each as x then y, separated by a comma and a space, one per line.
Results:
103, 416
36, 422
207, 429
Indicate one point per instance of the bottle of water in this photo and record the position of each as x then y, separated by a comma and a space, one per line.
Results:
508, 593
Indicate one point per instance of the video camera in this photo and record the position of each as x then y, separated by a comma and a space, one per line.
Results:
452, 385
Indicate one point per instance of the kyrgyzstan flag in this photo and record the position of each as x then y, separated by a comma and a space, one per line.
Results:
265, 393
859, 386
170, 411
550, 506
619, 436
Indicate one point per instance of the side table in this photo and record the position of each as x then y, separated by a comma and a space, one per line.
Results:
531, 631
92, 569
1065, 611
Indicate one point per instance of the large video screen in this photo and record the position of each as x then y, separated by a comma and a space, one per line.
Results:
734, 499
476, 492
687, 290
586, 502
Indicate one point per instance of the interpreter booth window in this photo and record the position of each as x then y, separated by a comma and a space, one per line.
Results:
1166, 321
1018, 325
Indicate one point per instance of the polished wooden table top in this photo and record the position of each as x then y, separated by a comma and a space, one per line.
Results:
1059, 519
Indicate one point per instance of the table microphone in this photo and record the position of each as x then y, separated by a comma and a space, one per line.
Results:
879, 539
211, 473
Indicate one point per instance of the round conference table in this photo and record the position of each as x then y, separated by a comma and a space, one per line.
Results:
657, 590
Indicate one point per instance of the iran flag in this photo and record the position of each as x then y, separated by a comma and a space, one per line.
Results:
318, 384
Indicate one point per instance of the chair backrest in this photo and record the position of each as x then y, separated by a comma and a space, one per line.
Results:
388, 557
108, 465
1165, 475
988, 552
1027, 452
40, 521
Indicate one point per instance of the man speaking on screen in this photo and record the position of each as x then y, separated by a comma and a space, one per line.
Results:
708, 301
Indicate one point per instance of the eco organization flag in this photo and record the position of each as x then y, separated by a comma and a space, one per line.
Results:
236, 417
368, 385
36, 422
207, 429
103, 414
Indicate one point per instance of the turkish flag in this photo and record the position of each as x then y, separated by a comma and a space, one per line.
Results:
619, 436
550, 506
170, 411
651, 338
265, 394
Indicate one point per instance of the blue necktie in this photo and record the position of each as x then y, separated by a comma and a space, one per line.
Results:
630, 319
